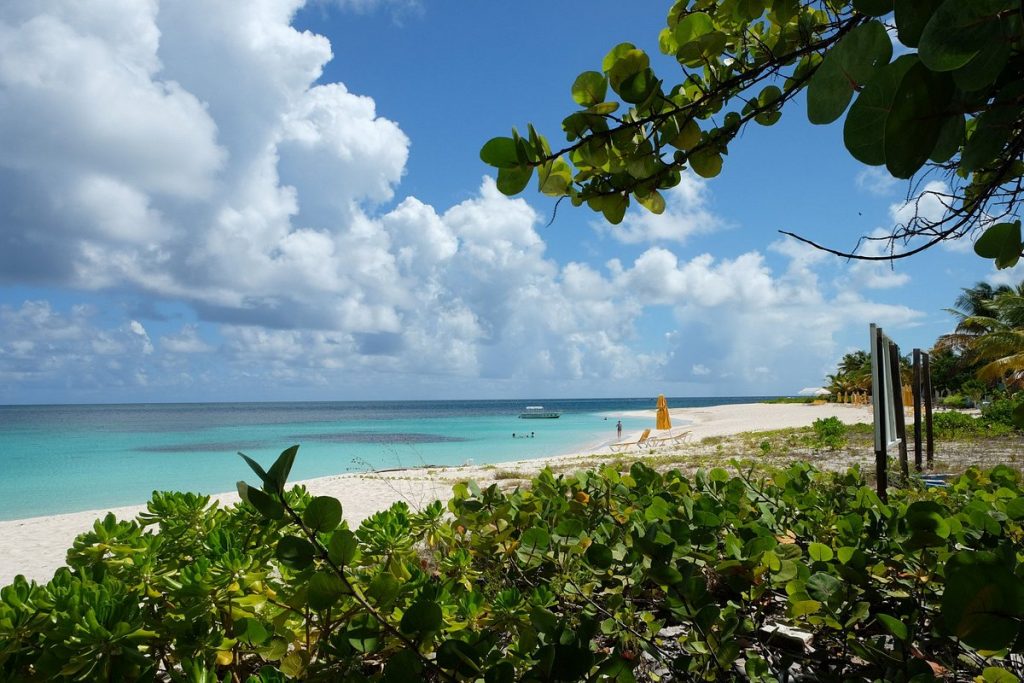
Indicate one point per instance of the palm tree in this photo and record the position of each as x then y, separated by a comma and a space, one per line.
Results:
990, 331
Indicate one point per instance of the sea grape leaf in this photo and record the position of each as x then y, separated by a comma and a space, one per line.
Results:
423, 616
848, 66
959, 30
600, 556
915, 119
294, 552
499, 152
822, 586
325, 589
589, 88
983, 70
342, 547
322, 514
926, 524
950, 139
864, 130
458, 656
993, 128
911, 18
1001, 242
983, 600
894, 626
513, 180
819, 552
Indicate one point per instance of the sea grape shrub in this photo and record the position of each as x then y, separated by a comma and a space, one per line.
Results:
830, 433
603, 575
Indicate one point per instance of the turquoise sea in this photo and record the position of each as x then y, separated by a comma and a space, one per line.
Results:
66, 458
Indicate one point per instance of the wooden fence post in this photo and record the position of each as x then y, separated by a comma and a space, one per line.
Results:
901, 419
878, 394
917, 410
927, 390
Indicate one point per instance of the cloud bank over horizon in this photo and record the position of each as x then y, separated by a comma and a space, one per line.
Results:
187, 152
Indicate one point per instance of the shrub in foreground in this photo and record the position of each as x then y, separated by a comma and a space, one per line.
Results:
600, 576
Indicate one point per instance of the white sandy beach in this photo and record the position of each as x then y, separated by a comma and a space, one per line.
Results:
35, 547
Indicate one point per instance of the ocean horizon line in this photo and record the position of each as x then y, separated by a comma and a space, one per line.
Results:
394, 400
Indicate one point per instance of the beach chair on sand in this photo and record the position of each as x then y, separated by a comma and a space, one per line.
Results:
639, 443
669, 439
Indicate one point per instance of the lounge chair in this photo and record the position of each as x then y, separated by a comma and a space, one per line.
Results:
669, 439
639, 443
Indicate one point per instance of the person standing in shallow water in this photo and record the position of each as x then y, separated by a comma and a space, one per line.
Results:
618, 428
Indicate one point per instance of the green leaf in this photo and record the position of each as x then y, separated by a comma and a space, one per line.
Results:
402, 667
262, 501
282, 467
600, 556
458, 656
423, 616
638, 87
250, 631
322, 514
589, 88
873, 8
1015, 508
295, 553
554, 178
950, 139
802, 608
706, 163
325, 589
342, 547
983, 600
822, 586
993, 129
384, 589
959, 30
627, 64
664, 574
915, 120
1001, 242
500, 152
615, 54
894, 626
925, 521
911, 18
693, 26
260, 472
534, 539
864, 130
614, 208
653, 202
848, 66
984, 69
512, 181
819, 552
993, 674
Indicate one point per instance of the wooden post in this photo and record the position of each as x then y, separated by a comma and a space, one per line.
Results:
926, 388
878, 396
901, 420
917, 410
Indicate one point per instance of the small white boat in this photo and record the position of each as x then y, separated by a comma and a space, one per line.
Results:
535, 412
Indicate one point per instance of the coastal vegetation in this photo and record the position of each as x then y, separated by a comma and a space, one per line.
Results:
754, 574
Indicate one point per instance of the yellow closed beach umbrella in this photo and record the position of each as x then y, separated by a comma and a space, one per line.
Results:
663, 421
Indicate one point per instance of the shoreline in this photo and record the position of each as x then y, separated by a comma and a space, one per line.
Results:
36, 546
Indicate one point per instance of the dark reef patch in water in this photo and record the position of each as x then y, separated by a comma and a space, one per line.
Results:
376, 437
336, 437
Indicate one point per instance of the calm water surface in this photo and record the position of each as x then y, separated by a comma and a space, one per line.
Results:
66, 458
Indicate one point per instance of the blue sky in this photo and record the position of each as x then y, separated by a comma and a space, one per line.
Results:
279, 200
